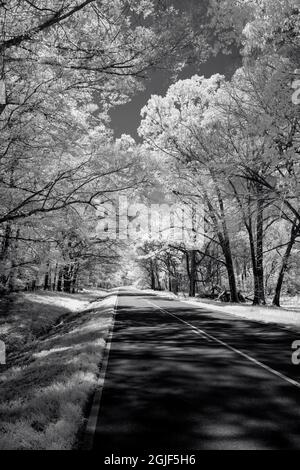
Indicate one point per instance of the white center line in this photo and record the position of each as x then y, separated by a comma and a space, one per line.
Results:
226, 345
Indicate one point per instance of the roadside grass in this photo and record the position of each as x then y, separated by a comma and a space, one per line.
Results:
288, 315
55, 343
262, 313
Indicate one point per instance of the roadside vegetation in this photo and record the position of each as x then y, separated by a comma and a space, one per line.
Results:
228, 142
54, 347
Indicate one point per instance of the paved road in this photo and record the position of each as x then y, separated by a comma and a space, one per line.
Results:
185, 378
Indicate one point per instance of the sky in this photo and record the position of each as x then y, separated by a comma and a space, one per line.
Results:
125, 119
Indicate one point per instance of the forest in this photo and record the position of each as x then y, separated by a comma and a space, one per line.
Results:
228, 142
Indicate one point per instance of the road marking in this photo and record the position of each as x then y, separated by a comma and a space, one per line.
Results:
231, 348
91, 426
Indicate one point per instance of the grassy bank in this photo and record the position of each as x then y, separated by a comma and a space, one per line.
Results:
54, 345
288, 315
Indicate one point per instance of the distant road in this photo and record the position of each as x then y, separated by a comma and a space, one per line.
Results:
181, 377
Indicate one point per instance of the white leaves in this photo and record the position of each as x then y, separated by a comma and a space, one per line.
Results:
2, 92
263, 25
142, 7
174, 122
125, 143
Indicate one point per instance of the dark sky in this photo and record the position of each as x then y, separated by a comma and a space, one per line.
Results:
125, 119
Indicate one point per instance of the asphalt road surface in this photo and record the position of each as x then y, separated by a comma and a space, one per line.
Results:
181, 377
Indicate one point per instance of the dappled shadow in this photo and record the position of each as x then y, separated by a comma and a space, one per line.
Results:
23, 320
168, 388
51, 381
26, 318
137, 295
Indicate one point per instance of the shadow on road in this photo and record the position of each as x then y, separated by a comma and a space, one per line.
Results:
168, 388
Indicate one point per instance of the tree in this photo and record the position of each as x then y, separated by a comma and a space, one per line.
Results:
257, 27
259, 126
63, 66
176, 126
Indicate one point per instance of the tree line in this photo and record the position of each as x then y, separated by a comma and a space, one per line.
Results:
63, 66
228, 143
232, 144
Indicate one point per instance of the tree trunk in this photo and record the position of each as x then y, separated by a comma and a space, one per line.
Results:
46, 278
259, 288
231, 274
193, 274
60, 280
254, 263
224, 240
12, 271
67, 275
152, 275
74, 277
284, 265
3, 253
55, 276
5, 241
157, 279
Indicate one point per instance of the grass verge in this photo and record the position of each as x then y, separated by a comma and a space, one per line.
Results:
55, 344
286, 316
